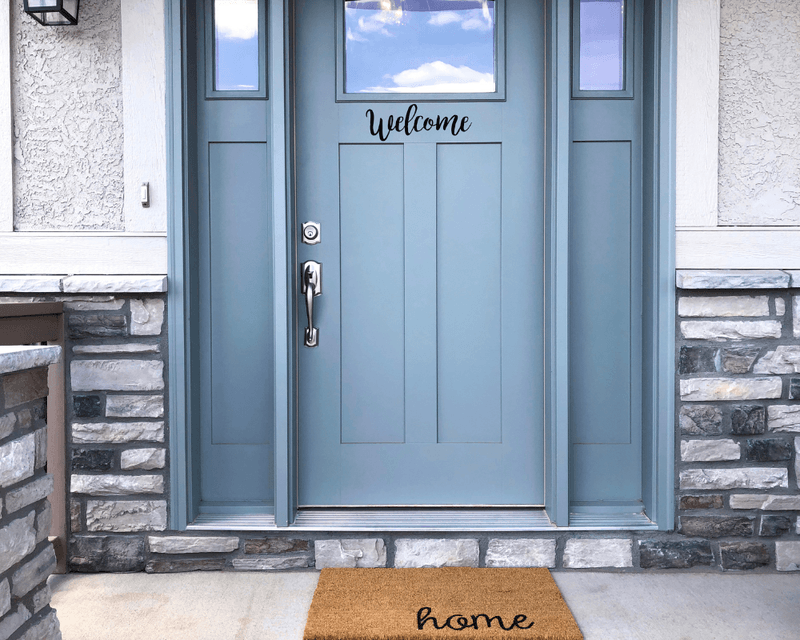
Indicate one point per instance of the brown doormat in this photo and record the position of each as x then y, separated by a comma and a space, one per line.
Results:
411, 604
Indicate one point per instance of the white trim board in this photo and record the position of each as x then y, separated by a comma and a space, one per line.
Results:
82, 254
697, 117
6, 132
144, 114
737, 248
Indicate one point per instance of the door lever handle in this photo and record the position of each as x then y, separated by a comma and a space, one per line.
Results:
311, 286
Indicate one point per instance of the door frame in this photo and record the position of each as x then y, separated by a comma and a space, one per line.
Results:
659, 276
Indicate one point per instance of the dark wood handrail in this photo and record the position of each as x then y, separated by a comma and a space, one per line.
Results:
30, 322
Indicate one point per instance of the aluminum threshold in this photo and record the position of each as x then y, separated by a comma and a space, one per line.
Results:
422, 520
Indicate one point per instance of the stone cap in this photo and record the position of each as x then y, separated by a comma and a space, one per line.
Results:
18, 358
736, 279
84, 284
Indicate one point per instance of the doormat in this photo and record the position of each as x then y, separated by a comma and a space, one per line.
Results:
426, 604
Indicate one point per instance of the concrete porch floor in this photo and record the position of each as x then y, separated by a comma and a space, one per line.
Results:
274, 606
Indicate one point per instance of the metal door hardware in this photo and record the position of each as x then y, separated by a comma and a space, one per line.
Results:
310, 233
311, 284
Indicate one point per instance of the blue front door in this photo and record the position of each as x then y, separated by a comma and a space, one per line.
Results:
419, 152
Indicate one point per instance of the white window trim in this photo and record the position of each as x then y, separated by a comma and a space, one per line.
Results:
697, 117
144, 112
6, 132
142, 248
97, 253
700, 242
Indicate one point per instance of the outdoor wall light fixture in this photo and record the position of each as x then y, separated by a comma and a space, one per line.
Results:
53, 13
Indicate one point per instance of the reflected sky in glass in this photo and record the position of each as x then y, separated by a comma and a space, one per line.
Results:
419, 46
602, 45
236, 45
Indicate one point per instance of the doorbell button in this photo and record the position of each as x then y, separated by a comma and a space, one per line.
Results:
310, 233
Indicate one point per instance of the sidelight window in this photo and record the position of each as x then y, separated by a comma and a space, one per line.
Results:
237, 46
602, 62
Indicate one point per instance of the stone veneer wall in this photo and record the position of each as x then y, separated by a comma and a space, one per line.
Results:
737, 442
739, 415
117, 460
27, 557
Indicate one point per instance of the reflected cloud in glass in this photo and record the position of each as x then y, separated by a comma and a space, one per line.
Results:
236, 45
420, 46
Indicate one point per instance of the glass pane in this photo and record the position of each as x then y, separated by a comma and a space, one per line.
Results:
236, 45
602, 45
419, 46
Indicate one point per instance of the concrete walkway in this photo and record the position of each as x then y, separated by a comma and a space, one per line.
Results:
274, 606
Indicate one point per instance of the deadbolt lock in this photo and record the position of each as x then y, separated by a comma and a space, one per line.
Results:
310, 233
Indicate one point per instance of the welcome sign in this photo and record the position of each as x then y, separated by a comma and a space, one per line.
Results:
413, 123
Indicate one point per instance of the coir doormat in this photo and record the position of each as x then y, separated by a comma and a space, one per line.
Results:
427, 604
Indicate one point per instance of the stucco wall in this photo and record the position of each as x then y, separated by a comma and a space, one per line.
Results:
67, 113
759, 161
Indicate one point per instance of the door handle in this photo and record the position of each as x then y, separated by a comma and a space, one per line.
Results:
311, 285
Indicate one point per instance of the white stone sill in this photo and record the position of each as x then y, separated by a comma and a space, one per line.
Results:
736, 279
18, 358
83, 284
685, 279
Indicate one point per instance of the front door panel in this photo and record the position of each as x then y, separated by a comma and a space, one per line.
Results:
426, 385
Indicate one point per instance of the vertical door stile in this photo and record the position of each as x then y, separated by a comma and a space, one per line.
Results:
420, 283
557, 262
283, 258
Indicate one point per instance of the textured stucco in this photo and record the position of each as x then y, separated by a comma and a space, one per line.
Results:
759, 163
68, 129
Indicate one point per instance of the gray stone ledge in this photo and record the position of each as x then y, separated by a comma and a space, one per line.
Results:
124, 516
29, 493
521, 553
363, 553
34, 572
13, 621
765, 502
598, 553
114, 284
787, 556
733, 279
20, 358
84, 284
31, 284
110, 485
424, 553
713, 389
740, 478
92, 349
272, 564
191, 544
5, 598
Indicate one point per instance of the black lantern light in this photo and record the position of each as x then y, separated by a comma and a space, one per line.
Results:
53, 13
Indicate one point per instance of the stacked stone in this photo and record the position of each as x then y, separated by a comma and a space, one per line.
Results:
737, 452
739, 419
27, 557
117, 436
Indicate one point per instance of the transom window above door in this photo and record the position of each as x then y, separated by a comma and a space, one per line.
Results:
403, 50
